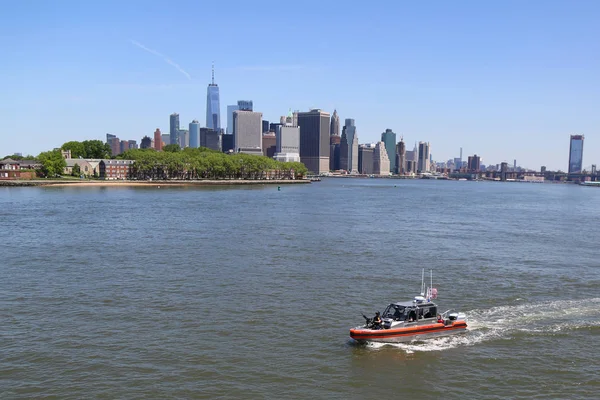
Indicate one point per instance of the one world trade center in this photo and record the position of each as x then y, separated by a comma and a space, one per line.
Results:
213, 113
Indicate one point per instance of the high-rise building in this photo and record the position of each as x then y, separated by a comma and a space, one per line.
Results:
166, 139
247, 135
245, 105
213, 107
423, 160
381, 161
146, 142
576, 154
269, 144
334, 152
287, 141
194, 134
227, 142
352, 139
265, 126
343, 164
210, 139
389, 139
365, 159
114, 143
230, 110
184, 138
400, 157
334, 129
158, 143
174, 129
474, 163
314, 140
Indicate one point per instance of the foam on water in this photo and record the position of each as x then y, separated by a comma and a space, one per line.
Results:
503, 322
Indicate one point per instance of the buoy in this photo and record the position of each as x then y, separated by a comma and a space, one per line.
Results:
279, 188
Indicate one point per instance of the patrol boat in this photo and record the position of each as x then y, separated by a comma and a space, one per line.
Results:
414, 320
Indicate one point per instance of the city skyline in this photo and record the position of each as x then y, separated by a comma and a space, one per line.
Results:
451, 75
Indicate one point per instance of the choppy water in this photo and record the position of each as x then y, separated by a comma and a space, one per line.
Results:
249, 292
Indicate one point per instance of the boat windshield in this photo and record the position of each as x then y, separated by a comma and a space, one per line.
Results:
395, 312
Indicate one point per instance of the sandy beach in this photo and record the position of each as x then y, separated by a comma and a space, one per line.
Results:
115, 183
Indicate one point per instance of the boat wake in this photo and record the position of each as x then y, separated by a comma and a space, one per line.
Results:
506, 322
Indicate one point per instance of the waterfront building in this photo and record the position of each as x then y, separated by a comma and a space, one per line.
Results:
194, 134
247, 135
210, 139
287, 141
213, 113
230, 110
365, 159
245, 105
352, 138
269, 144
423, 157
381, 161
158, 143
314, 140
174, 129
400, 157
343, 164
334, 152
474, 163
389, 139
576, 154
146, 142
334, 129
114, 169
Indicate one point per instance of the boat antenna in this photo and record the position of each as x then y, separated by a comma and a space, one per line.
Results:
423, 282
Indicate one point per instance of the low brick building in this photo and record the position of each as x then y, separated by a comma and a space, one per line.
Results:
114, 169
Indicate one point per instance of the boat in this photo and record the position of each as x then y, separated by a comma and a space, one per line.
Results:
414, 320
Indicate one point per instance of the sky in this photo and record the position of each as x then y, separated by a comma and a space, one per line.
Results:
502, 79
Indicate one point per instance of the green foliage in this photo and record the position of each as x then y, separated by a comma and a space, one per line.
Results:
172, 148
77, 149
76, 170
53, 163
18, 158
202, 163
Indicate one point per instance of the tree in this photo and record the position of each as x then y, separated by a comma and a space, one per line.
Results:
77, 149
172, 148
53, 163
96, 149
76, 170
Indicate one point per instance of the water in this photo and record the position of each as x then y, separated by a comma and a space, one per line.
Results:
249, 292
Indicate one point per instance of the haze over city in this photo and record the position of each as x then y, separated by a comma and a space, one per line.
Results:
504, 80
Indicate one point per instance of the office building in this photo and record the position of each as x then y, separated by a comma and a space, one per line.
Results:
287, 141
343, 163
474, 163
269, 144
389, 139
576, 154
184, 138
245, 105
365, 159
210, 139
247, 135
334, 152
166, 139
352, 138
174, 129
314, 139
400, 157
194, 134
213, 107
381, 161
146, 142
158, 143
423, 157
227, 142
115, 145
230, 110
334, 129
265, 126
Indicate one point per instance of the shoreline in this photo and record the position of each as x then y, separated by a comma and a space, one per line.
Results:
127, 183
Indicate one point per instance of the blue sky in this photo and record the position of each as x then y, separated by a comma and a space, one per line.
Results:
503, 79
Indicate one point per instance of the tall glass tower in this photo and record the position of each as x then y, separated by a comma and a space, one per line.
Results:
174, 129
213, 113
389, 139
576, 154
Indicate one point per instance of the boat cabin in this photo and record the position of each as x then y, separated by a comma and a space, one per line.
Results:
409, 311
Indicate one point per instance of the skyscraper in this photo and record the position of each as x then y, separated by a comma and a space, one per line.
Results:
265, 126
576, 154
334, 129
146, 142
474, 163
352, 139
423, 164
389, 139
334, 152
174, 129
343, 164
230, 110
287, 141
245, 105
365, 159
247, 132
401, 157
213, 113
194, 134
314, 140
381, 161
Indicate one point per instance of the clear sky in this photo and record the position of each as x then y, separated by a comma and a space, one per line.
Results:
503, 79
